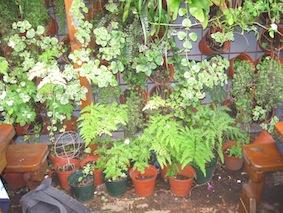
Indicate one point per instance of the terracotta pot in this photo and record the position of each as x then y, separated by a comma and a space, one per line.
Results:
207, 50
144, 182
231, 163
273, 56
58, 160
242, 57
264, 138
182, 187
63, 175
97, 173
158, 76
71, 125
22, 130
265, 38
52, 27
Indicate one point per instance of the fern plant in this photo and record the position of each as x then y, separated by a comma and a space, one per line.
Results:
217, 125
97, 120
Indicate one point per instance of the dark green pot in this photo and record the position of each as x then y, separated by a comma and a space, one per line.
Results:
117, 188
82, 193
210, 167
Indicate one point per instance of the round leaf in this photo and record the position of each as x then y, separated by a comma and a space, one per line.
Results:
193, 36
181, 35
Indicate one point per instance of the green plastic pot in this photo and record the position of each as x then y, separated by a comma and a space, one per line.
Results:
117, 188
82, 193
210, 167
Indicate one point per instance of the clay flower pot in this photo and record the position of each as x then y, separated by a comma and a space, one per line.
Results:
242, 57
264, 138
181, 184
97, 173
144, 182
271, 45
22, 130
205, 44
63, 174
231, 162
71, 124
273, 56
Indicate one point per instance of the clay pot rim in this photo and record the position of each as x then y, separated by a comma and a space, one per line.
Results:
226, 45
228, 144
133, 173
243, 57
115, 181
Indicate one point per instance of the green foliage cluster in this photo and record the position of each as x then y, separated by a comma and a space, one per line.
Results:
8, 14
114, 161
235, 151
269, 87
136, 119
97, 120
34, 11
243, 90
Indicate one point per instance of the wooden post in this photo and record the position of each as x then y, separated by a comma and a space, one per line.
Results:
75, 45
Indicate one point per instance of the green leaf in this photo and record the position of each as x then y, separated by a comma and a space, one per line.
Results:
186, 23
187, 44
183, 11
181, 35
193, 36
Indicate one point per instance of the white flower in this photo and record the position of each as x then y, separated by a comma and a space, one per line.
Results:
36, 71
11, 44
274, 27
10, 103
127, 141
3, 95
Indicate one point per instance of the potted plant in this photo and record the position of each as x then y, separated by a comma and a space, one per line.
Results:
81, 183
97, 173
115, 161
64, 169
224, 125
233, 155
142, 174
268, 78
240, 57
243, 89
17, 97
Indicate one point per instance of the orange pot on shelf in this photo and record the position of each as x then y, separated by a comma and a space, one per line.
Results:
232, 163
242, 57
264, 138
144, 183
182, 187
